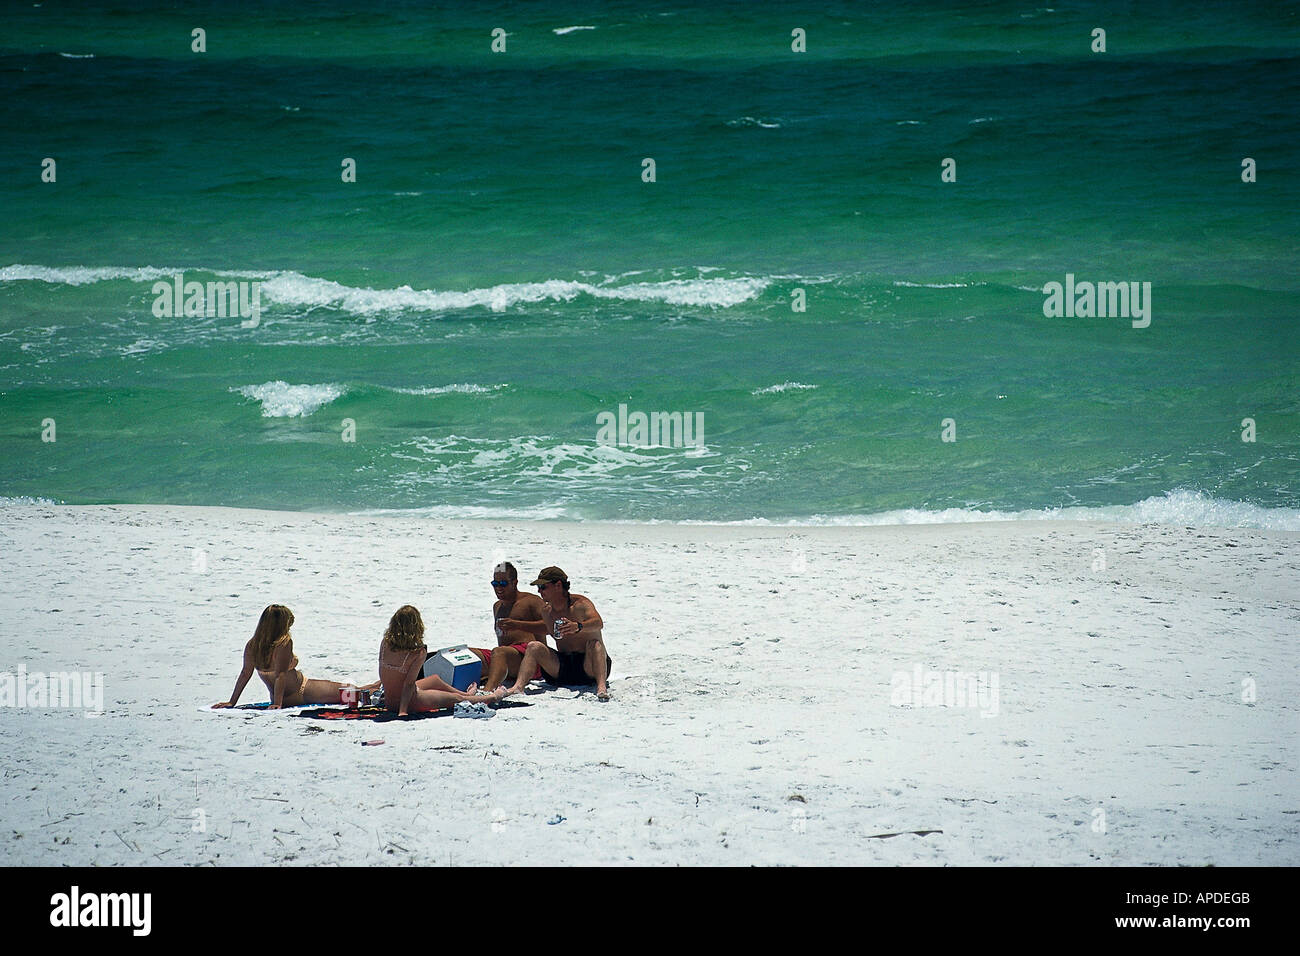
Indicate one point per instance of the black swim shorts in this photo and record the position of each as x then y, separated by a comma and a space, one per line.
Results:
571, 672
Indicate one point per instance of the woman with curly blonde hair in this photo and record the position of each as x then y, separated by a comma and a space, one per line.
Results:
270, 653
401, 658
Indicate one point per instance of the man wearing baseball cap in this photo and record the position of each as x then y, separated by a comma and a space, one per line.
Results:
579, 658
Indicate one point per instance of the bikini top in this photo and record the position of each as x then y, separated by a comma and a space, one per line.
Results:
400, 668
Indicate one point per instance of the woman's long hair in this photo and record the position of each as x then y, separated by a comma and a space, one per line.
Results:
406, 629
272, 628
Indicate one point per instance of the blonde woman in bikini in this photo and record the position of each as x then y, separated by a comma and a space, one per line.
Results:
270, 653
401, 658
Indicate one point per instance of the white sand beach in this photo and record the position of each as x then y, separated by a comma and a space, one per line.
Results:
1145, 710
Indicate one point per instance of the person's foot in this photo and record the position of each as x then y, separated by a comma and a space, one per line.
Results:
509, 691
602, 694
472, 689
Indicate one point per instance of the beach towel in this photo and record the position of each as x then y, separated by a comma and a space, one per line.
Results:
248, 710
380, 714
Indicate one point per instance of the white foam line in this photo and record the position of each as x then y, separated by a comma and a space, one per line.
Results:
296, 289
783, 387
463, 388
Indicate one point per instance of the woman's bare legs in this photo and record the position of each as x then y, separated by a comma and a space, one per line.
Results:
423, 700
434, 682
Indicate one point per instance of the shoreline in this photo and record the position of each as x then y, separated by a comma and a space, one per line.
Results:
1178, 508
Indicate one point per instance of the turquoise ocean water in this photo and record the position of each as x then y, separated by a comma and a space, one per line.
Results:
499, 274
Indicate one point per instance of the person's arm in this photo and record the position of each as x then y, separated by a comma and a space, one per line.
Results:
584, 620
498, 627
532, 627
408, 682
240, 682
537, 620
282, 665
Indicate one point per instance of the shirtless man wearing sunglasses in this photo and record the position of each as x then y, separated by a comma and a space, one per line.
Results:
511, 610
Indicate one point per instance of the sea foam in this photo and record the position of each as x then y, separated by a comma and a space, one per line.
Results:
282, 400
783, 387
464, 388
294, 289
1181, 507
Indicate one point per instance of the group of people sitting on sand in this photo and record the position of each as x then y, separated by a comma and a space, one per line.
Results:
522, 623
